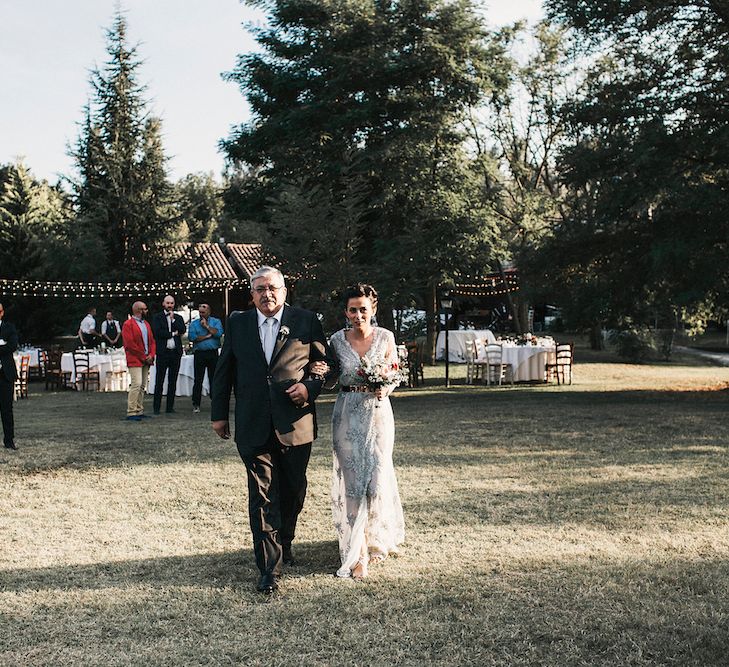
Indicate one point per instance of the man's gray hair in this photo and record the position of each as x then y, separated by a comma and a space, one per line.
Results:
268, 270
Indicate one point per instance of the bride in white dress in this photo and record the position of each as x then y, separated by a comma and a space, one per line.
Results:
365, 500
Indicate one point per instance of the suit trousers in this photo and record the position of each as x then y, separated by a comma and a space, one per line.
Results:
204, 360
167, 363
7, 394
135, 399
276, 491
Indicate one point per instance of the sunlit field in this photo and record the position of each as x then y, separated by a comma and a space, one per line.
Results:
578, 525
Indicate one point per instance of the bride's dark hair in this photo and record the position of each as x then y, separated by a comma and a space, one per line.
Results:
358, 290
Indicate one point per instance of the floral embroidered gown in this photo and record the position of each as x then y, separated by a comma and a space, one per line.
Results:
365, 499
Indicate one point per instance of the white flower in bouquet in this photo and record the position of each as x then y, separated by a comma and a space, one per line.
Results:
378, 372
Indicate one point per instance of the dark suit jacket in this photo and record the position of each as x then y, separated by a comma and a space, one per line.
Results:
260, 388
10, 335
162, 333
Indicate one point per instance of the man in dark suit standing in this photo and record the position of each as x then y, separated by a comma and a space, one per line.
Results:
168, 329
267, 357
8, 374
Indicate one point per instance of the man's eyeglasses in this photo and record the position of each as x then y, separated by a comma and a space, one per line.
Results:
267, 288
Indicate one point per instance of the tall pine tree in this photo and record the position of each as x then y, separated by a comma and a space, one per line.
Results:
123, 196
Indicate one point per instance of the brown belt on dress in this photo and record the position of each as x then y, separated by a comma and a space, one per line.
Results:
355, 387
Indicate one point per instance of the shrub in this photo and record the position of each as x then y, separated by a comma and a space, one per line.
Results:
634, 344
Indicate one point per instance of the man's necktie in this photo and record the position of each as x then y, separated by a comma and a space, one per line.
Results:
268, 338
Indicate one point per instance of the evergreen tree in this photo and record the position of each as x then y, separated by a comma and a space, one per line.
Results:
122, 192
32, 215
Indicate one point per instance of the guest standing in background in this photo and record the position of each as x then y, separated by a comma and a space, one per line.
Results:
8, 375
168, 329
87, 333
111, 330
205, 334
140, 349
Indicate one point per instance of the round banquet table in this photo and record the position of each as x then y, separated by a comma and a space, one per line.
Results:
527, 361
457, 343
103, 362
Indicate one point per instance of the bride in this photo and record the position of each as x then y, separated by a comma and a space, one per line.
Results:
365, 501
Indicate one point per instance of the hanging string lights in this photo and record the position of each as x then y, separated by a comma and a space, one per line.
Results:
44, 288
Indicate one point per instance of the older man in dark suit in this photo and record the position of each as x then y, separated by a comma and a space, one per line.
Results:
267, 357
8, 375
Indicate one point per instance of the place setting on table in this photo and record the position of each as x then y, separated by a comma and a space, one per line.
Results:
520, 358
527, 355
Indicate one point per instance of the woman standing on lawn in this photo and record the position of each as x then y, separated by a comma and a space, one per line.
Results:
365, 500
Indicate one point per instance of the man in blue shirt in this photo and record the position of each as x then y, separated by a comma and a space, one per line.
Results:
205, 335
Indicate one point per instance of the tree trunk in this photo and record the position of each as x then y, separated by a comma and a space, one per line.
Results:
384, 316
509, 301
431, 319
596, 339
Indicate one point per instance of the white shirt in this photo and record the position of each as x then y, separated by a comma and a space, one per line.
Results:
105, 323
275, 325
170, 317
88, 324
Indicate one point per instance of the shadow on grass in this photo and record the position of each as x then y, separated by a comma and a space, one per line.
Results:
588, 612
210, 570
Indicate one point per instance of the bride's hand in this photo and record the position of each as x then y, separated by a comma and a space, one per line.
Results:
319, 368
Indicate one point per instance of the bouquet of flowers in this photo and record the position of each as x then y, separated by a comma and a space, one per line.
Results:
378, 372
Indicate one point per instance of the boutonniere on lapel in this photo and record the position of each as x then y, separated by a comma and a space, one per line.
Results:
283, 332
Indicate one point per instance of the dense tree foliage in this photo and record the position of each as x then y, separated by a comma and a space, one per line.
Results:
33, 216
646, 239
376, 91
123, 197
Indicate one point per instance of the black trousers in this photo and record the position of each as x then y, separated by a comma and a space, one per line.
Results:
167, 363
6, 409
204, 360
276, 492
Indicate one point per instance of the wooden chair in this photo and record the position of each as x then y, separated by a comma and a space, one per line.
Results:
495, 371
85, 375
474, 362
416, 376
39, 371
117, 378
561, 367
56, 378
21, 383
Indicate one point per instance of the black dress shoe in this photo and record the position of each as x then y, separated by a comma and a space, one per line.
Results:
11, 445
288, 556
267, 584
170, 412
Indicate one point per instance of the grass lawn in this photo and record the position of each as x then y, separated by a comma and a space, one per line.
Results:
580, 525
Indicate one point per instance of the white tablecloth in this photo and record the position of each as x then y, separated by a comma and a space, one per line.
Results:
32, 352
185, 379
102, 363
457, 343
527, 361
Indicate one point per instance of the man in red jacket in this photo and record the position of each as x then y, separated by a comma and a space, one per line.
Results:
140, 349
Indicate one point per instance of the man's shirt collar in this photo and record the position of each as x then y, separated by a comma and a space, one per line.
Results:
262, 318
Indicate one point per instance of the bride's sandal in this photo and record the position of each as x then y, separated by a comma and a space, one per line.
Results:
359, 571
377, 558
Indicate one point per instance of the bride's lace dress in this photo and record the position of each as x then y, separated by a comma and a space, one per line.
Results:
365, 500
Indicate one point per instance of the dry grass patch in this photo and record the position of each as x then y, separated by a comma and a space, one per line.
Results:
582, 525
